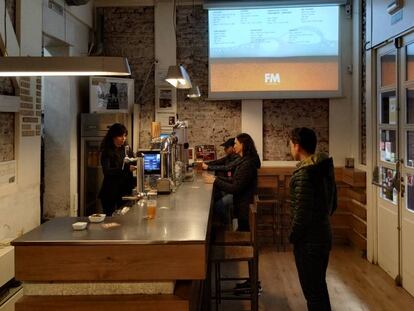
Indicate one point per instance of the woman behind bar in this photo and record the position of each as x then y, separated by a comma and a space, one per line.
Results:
118, 178
243, 183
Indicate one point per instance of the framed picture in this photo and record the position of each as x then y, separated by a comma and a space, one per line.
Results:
111, 94
166, 99
167, 120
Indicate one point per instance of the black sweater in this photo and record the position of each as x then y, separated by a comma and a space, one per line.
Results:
117, 181
242, 185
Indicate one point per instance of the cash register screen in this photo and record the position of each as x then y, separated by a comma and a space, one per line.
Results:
152, 162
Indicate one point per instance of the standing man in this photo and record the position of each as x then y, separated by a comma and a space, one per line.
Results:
313, 200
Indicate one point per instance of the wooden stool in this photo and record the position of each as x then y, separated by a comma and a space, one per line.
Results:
237, 247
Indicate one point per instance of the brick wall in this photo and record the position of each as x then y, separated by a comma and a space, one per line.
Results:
210, 122
129, 32
6, 136
6, 124
363, 107
30, 106
281, 116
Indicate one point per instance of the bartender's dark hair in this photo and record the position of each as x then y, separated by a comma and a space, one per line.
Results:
249, 149
305, 137
116, 130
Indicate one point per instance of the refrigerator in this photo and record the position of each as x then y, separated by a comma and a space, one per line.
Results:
94, 127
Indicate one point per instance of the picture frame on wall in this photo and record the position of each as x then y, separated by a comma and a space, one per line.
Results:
166, 99
109, 95
167, 119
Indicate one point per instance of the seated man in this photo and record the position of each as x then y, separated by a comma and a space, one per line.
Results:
224, 166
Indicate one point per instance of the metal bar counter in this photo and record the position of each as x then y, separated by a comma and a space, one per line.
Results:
170, 249
182, 218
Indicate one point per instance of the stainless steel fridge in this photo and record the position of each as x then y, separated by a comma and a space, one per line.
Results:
94, 127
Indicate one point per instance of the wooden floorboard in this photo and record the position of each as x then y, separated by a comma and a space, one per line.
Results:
354, 284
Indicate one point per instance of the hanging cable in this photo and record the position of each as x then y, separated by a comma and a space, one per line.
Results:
146, 80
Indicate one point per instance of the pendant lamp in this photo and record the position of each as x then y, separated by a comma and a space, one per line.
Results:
178, 77
19, 66
194, 92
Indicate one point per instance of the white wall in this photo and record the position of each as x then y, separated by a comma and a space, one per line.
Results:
341, 119
20, 202
63, 99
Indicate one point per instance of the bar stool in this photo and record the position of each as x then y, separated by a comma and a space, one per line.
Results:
268, 205
238, 247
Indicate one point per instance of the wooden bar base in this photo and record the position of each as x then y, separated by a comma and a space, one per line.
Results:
103, 303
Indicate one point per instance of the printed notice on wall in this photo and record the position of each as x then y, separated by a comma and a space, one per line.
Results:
7, 172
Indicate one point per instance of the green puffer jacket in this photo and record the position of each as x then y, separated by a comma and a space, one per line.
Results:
313, 199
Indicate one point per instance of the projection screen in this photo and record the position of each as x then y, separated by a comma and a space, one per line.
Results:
274, 52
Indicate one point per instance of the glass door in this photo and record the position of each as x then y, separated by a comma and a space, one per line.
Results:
395, 160
407, 168
388, 159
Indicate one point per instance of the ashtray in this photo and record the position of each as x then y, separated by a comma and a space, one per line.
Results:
97, 217
80, 225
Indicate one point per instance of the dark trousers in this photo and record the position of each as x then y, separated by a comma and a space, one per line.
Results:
312, 262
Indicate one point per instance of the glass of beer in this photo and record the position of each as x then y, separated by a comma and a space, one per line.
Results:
151, 206
199, 165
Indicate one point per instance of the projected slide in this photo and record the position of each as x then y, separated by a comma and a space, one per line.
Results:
274, 49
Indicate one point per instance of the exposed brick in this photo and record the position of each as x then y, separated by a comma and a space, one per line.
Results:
6, 86
6, 136
25, 84
28, 133
363, 102
26, 98
280, 116
129, 32
30, 119
26, 105
24, 92
27, 112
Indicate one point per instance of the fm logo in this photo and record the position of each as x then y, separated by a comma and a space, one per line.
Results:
272, 78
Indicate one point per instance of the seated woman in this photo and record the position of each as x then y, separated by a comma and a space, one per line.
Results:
243, 183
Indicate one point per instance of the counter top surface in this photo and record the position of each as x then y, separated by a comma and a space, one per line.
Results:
182, 217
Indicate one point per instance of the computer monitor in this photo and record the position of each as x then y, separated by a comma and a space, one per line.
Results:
152, 162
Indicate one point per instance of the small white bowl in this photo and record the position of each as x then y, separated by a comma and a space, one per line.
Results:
97, 217
80, 225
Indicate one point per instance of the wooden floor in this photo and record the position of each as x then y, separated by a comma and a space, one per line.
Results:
354, 284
